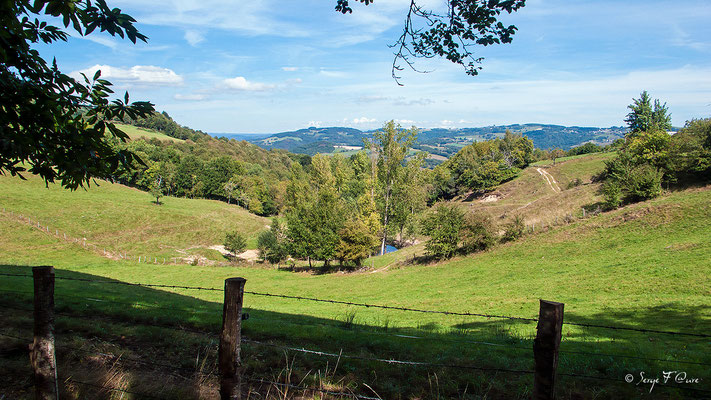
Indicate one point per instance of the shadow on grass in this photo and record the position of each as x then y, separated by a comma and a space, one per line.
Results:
180, 330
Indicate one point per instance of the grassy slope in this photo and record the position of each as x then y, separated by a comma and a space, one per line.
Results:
135, 132
531, 197
122, 219
645, 265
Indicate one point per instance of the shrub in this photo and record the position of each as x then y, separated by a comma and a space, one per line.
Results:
356, 242
235, 243
612, 192
271, 244
645, 183
514, 229
478, 233
443, 226
574, 183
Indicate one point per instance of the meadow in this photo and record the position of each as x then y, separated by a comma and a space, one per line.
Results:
643, 266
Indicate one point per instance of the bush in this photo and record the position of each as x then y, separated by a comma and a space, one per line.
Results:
235, 243
645, 183
356, 243
478, 233
514, 229
574, 183
443, 226
271, 244
612, 192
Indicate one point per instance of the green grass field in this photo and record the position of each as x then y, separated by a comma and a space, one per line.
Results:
120, 219
643, 266
135, 132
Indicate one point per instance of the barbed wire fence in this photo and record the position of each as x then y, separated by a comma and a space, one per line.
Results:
545, 349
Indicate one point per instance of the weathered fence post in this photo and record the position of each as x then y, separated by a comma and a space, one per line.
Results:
42, 348
229, 355
545, 349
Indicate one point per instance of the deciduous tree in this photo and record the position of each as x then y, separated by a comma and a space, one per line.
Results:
49, 121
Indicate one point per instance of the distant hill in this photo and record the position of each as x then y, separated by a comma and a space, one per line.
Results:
439, 141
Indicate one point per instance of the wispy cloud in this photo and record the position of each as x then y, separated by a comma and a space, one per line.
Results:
138, 74
290, 69
194, 37
190, 97
240, 83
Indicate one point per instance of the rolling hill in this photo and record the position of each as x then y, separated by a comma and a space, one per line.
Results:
440, 141
643, 266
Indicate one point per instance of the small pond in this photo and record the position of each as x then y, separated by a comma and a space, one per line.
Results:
390, 249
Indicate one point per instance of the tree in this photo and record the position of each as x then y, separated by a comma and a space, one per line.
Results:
157, 189
48, 120
390, 146
230, 187
235, 243
356, 242
644, 117
443, 226
272, 243
452, 34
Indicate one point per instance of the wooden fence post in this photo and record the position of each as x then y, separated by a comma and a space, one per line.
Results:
545, 349
229, 354
42, 349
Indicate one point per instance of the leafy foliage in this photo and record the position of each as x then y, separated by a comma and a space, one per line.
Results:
443, 226
48, 120
484, 165
644, 117
450, 35
650, 158
514, 229
235, 243
272, 243
478, 233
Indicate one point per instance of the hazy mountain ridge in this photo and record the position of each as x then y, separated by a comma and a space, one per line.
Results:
441, 141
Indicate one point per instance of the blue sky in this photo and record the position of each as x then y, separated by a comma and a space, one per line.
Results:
269, 66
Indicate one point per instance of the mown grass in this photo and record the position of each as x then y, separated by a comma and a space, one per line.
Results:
643, 266
126, 220
135, 132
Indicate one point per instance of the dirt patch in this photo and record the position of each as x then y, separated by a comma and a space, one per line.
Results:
490, 198
249, 255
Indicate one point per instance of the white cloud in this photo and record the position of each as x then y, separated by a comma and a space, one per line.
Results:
405, 121
190, 97
294, 81
363, 120
332, 74
240, 83
138, 74
290, 69
316, 124
194, 37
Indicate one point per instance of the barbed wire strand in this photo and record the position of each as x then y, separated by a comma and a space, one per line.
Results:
384, 360
349, 303
528, 320
128, 303
465, 341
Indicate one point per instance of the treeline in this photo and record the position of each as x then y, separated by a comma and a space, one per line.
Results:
205, 167
163, 123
